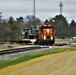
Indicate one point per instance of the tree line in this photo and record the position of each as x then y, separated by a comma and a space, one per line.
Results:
11, 28
63, 29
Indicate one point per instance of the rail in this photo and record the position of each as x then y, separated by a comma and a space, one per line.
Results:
19, 50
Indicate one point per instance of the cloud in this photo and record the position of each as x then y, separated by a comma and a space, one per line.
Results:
44, 8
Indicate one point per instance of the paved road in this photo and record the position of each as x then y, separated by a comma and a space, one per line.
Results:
54, 64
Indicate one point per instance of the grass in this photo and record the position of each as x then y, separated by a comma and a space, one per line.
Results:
19, 59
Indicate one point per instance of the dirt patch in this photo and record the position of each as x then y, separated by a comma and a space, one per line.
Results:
53, 64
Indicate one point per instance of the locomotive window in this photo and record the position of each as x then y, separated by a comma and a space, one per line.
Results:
31, 36
45, 27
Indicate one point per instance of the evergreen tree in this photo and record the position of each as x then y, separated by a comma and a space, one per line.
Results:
61, 26
14, 28
72, 28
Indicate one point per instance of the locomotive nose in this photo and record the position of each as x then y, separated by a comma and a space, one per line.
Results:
48, 31
48, 36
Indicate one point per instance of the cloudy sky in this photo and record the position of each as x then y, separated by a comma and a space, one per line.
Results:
44, 8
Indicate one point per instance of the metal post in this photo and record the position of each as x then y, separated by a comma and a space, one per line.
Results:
34, 7
61, 5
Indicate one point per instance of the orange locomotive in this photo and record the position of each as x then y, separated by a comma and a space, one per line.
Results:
46, 34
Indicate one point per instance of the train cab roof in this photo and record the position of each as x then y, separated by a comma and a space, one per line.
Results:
46, 26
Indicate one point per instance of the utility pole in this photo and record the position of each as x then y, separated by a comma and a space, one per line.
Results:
34, 8
61, 5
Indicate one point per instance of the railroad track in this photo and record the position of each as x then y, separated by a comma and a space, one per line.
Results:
28, 48
20, 50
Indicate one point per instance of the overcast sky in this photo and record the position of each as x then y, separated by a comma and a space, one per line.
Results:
44, 8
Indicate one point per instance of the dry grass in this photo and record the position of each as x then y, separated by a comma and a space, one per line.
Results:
63, 40
5, 46
52, 64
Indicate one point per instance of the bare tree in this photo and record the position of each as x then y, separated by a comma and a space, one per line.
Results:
31, 20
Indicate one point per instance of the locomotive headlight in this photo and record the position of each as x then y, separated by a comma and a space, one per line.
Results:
44, 37
51, 37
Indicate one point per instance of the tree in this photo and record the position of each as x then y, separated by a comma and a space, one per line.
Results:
72, 28
61, 26
14, 28
6, 30
31, 20
46, 22
20, 22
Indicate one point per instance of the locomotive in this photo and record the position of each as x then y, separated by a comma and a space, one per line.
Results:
44, 35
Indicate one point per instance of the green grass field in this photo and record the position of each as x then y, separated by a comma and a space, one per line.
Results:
19, 59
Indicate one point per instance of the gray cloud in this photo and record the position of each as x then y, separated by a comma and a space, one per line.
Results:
44, 8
